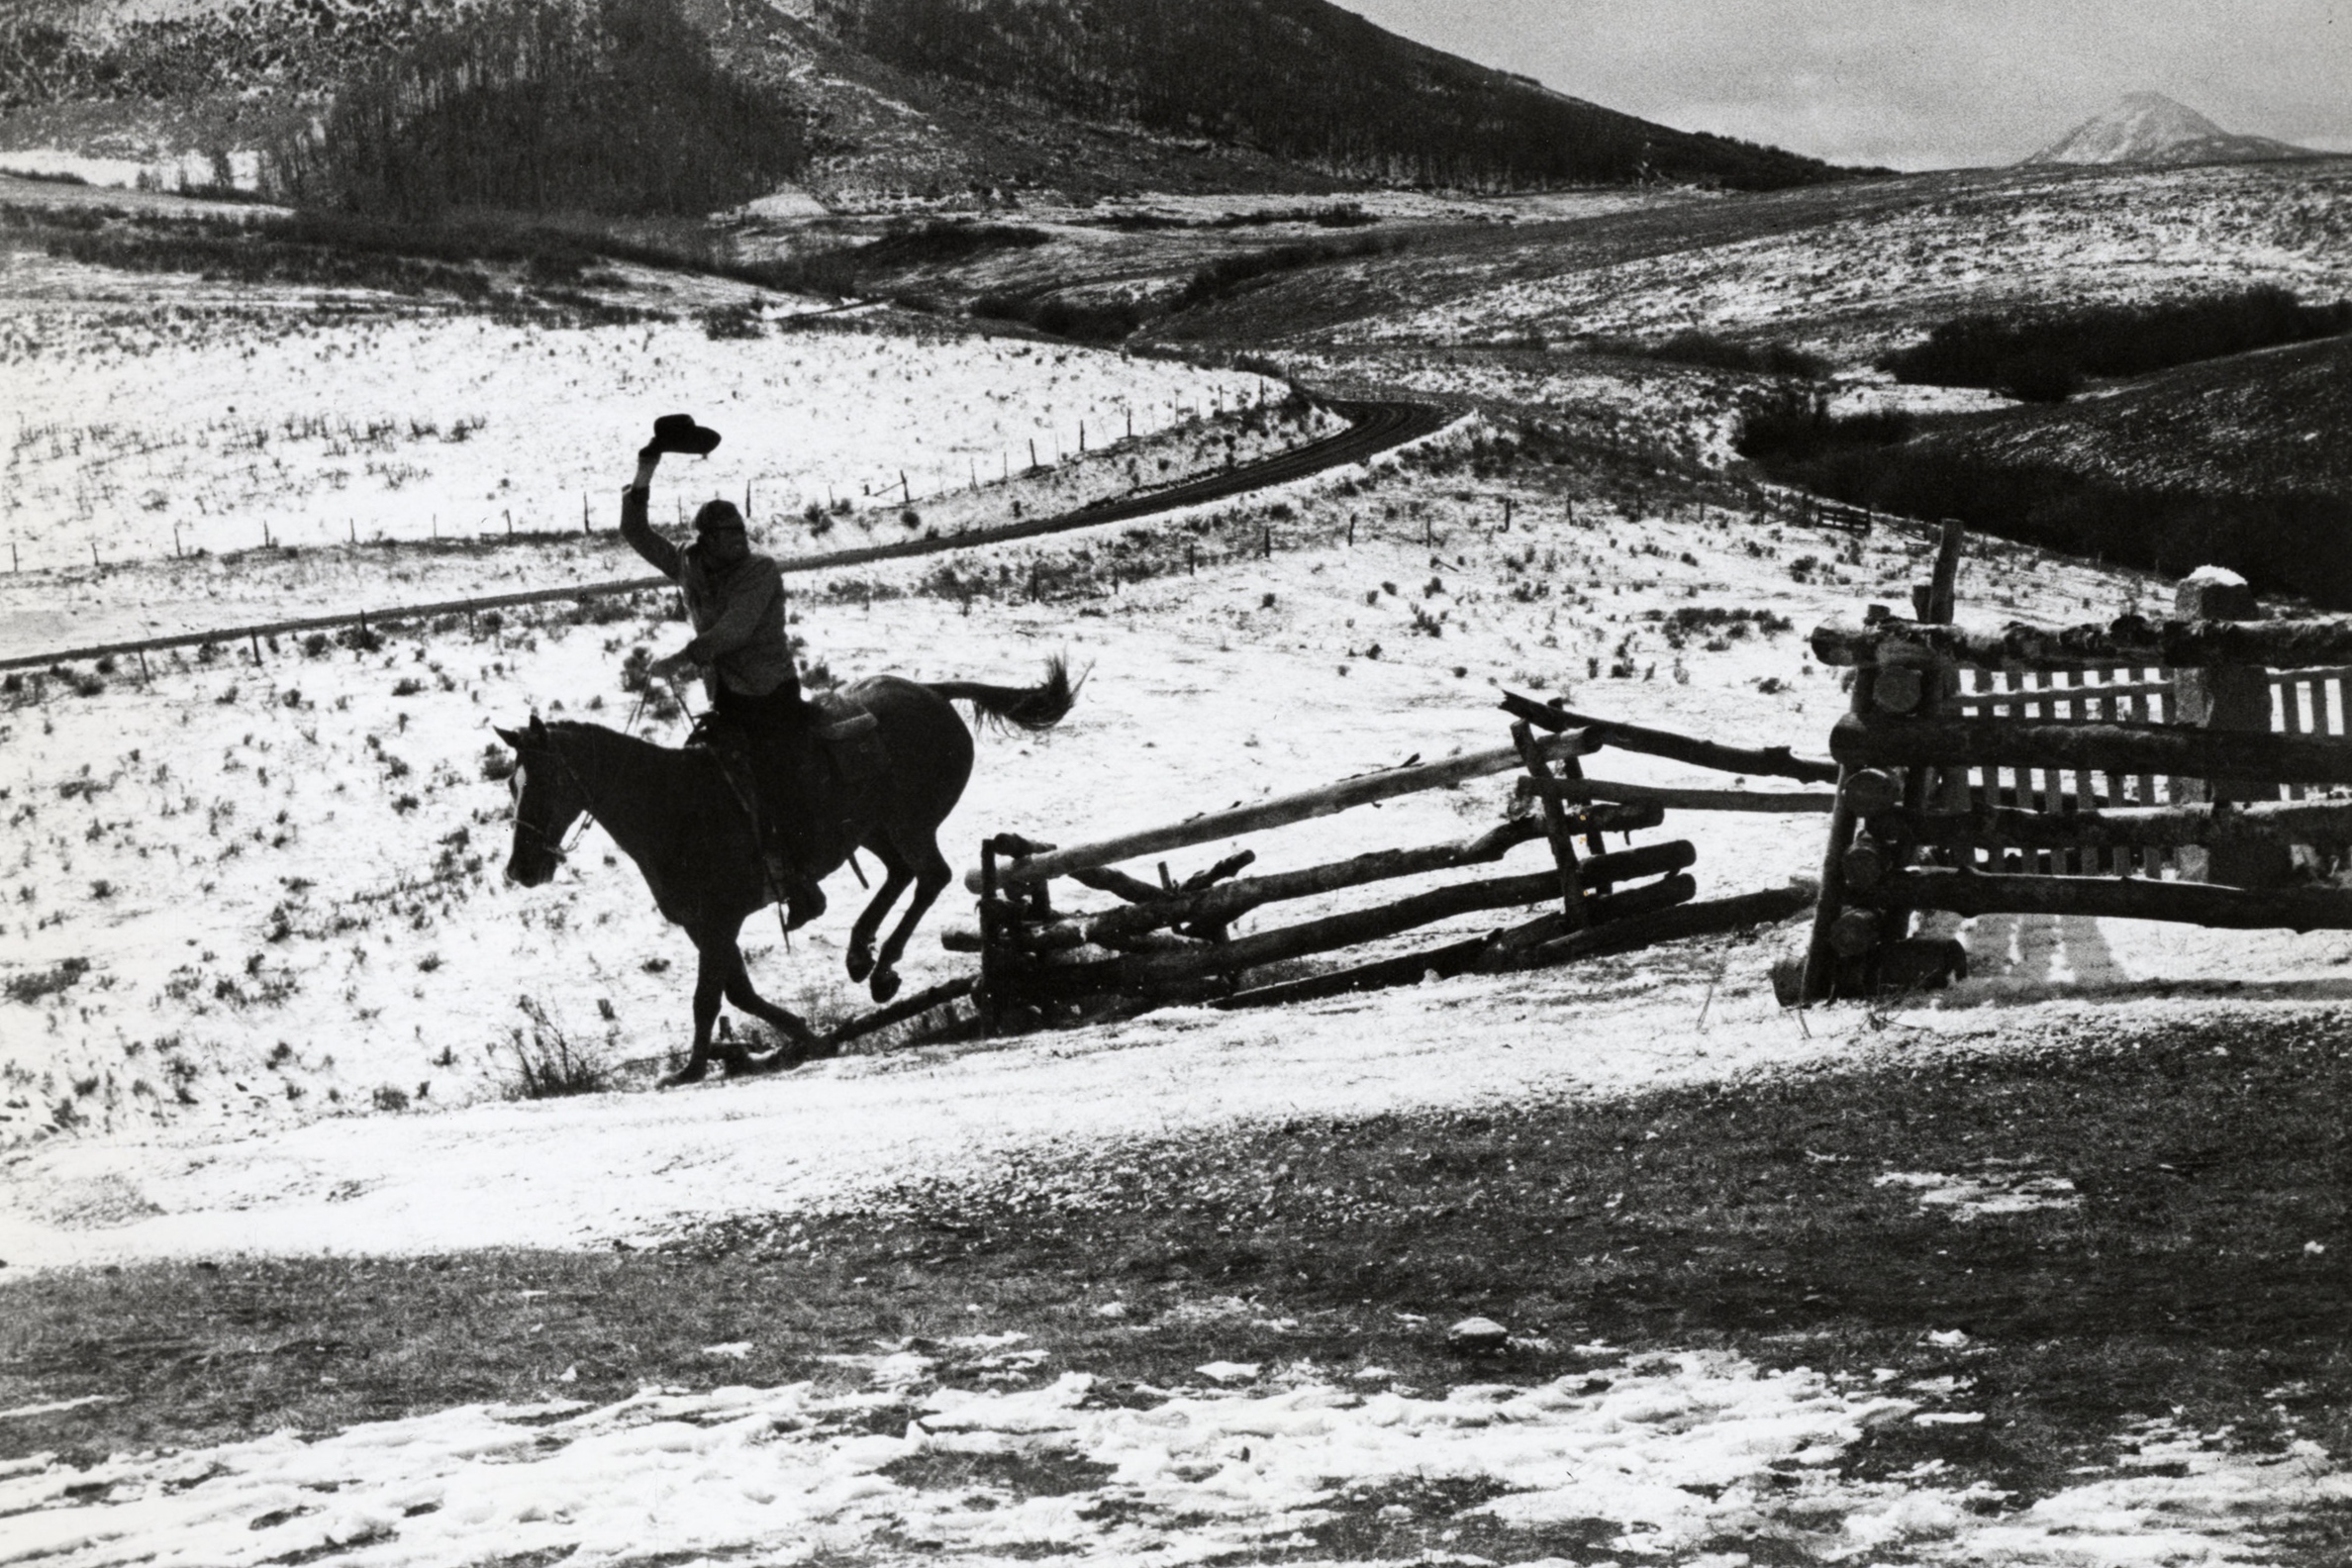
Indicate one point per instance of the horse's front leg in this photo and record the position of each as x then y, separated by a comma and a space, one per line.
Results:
710, 982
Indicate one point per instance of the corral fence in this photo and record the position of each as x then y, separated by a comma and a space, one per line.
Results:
1169, 939
2190, 769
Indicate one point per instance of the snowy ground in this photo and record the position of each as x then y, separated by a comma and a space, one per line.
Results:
1850, 287
301, 426
283, 879
261, 972
1657, 1458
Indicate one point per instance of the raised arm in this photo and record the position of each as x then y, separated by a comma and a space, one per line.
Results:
638, 527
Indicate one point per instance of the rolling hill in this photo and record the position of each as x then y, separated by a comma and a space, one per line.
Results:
908, 98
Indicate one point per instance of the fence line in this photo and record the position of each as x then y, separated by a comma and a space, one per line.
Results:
1374, 428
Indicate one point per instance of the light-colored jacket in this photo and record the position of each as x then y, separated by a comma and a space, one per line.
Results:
737, 615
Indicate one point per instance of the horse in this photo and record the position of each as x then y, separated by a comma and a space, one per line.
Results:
675, 812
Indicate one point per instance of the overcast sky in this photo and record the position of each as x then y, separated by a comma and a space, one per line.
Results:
1914, 83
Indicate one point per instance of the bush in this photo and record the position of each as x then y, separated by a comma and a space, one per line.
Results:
32, 987
2038, 375
2035, 352
1720, 353
1799, 426
733, 322
547, 1064
1228, 273
2292, 544
1083, 321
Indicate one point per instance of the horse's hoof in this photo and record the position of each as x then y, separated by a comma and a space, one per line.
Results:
683, 1076
886, 983
861, 962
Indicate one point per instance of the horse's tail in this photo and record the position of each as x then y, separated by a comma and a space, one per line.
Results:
1038, 707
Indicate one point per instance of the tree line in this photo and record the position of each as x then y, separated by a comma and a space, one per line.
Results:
616, 108
2045, 356
2284, 539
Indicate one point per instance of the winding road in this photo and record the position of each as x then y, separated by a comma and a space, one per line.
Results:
1373, 428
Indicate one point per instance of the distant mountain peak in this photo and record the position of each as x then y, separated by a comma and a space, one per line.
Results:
2150, 129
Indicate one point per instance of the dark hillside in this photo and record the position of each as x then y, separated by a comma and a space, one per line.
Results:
1299, 79
618, 110
2243, 463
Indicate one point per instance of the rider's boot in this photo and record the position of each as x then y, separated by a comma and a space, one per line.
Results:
804, 900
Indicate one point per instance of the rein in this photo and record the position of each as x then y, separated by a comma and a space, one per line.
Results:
562, 851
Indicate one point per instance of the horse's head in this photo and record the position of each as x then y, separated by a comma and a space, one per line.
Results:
548, 798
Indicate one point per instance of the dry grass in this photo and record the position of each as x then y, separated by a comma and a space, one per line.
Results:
2203, 1266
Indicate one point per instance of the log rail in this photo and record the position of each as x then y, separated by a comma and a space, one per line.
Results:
1171, 941
2077, 765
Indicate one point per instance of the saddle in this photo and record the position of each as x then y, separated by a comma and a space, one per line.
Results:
852, 737
848, 739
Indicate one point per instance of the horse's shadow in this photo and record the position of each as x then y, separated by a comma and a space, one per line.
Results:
2017, 959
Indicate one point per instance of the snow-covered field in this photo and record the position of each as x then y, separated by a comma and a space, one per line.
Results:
260, 981
1848, 288
299, 425
1653, 1461
270, 895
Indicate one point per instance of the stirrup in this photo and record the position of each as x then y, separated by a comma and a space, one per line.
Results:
802, 904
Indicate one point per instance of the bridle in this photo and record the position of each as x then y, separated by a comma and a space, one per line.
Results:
562, 851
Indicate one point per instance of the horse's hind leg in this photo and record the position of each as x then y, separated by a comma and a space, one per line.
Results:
932, 876
710, 981
895, 877
737, 982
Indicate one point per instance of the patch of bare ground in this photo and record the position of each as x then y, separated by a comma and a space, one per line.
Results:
2048, 1243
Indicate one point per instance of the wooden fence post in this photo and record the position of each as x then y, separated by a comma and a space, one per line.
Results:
991, 934
1821, 957
1555, 828
2234, 696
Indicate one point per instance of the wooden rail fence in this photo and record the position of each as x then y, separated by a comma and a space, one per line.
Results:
1171, 940
2176, 770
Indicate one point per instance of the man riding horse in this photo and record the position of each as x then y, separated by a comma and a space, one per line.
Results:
734, 600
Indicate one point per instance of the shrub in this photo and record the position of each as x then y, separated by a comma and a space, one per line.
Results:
547, 1063
1228, 273
32, 987
1799, 426
1720, 353
2039, 375
2035, 353
733, 322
